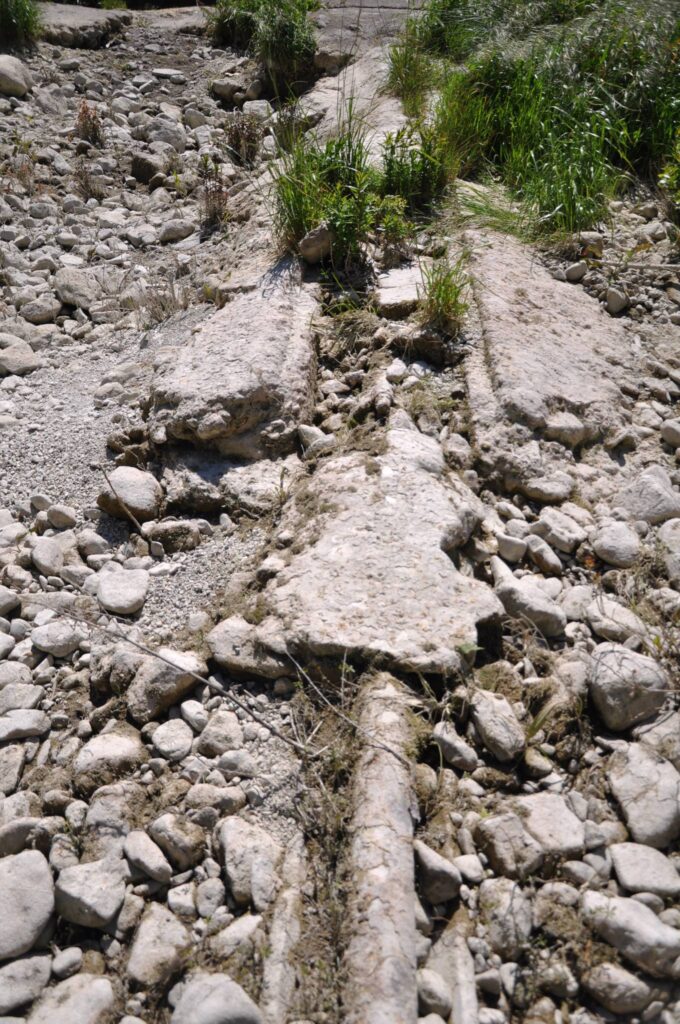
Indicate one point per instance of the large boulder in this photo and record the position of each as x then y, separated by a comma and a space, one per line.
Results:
626, 687
158, 685
15, 78
647, 787
85, 998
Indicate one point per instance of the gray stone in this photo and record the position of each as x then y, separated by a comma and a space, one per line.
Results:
8, 600
434, 995
67, 962
113, 753
15, 78
439, 879
399, 290
173, 739
214, 999
555, 828
234, 645
635, 931
176, 230
22, 981
511, 850
26, 901
48, 556
626, 687
139, 491
158, 685
641, 868
77, 287
85, 998
223, 732
181, 840
650, 497
23, 724
611, 620
617, 544
251, 858
158, 947
20, 695
455, 750
616, 989
91, 894
240, 934
124, 592
524, 599
616, 301
669, 542
144, 854
647, 787
670, 432
240, 392
506, 912
497, 725
59, 638
559, 530
316, 244
12, 759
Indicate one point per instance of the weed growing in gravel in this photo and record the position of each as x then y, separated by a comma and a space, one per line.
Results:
19, 22
86, 184
277, 32
214, 198
244, 135
443, 301
88, 125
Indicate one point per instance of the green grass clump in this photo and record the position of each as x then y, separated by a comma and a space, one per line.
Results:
19, 22
277, 32
338, 184
443, 301
564, 122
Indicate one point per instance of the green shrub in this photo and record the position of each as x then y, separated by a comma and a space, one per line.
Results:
277, 32
669, 179
443, 301
19, 22
412, 72
413, 167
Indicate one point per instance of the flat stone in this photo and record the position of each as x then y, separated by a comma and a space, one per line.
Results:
340, 594
617, 989
611, 620
124, 592
455, 750
214, 999
511, 850
20, 695
235, 646
23, 724
77, 287
241, 392
173, 739
439, 879
59, 638
506, 912
108, 756
555, 828
85, 998
617, 544
22, 981
138, 491
144, 854
48, 556
12, 759
635, 931
650, 497
625, 686
497, 725
26, 901
641, 868
158, 947
524, 599
158, 685
647, 787
399, 290
181, 840
81, 27
251, 858
90, 894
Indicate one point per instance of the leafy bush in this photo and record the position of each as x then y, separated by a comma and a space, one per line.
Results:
443, 301
19, 22
277, 32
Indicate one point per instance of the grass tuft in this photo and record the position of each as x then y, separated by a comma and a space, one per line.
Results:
19, 22
277, 32
443, 302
